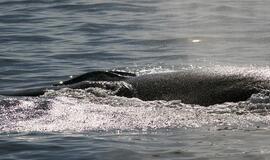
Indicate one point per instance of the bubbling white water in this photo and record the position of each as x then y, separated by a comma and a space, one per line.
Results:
81, 111
78, 110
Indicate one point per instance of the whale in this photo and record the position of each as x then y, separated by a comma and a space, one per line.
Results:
190, 87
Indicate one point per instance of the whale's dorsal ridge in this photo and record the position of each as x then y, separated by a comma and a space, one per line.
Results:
98, 76
202, 88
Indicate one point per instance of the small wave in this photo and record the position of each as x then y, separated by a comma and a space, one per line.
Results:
98, 28
20, 2
99, 7
26, 38
17, 18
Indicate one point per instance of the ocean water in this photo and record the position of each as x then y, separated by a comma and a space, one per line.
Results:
45, 41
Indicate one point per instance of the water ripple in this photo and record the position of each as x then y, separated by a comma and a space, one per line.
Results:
26, 38
100, 7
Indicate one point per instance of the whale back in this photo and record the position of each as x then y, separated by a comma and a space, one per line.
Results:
195, 87
99, 79
98, 76
192, 87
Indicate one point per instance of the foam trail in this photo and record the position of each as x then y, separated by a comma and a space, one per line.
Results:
116, 113
77, 110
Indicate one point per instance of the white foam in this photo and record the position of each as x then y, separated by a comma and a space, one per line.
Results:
119, 113
77, 110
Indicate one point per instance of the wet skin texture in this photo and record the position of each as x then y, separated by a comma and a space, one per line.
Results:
192, 87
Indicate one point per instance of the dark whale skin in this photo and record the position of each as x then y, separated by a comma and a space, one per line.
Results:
191, 87
196, 87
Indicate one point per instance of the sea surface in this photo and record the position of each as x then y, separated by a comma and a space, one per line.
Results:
46, 41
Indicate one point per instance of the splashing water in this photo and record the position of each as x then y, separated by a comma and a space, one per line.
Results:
79, 110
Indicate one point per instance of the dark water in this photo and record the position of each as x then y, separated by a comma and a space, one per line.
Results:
45, 41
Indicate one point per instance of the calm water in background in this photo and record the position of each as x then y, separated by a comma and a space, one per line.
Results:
44, 41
